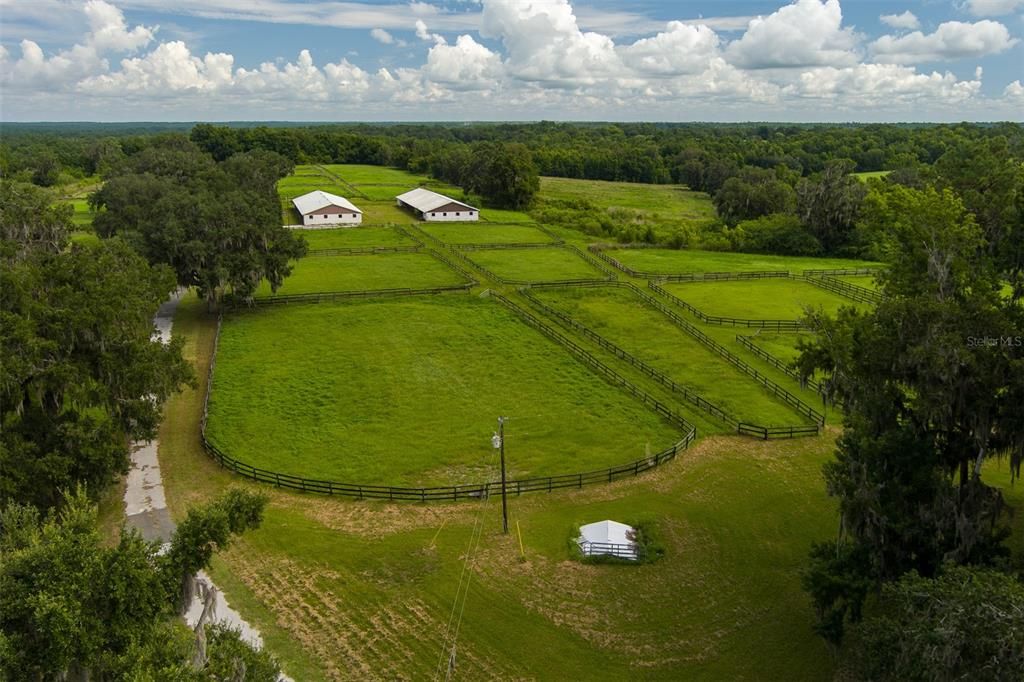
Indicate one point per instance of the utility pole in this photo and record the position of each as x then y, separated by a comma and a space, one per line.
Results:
504, 491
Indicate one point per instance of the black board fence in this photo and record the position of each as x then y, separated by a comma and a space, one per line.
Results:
472, 491
776, 363
775, 325
733, 359
744, 428
417, 245
846, 289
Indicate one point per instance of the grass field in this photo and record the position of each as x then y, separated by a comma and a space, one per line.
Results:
535, 265
407, 392
865, 175
646, 333
668, 201
355, 237
670, 261
760, 299
365, 272
782, 345
342, 589
484, 233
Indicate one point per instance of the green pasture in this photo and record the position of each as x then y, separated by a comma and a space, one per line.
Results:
674, 261
363, 174
535, 265
757, 299
485, 233
355, 237
406, 392
622, 318
783, 345
342, 588
665, 201
314, 274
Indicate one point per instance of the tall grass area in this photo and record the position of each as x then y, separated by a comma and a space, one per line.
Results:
535, 265
314, 274
343, 589
761, 299
407, 392
626, 321
673, 261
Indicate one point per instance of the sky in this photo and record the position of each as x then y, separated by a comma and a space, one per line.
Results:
503, 60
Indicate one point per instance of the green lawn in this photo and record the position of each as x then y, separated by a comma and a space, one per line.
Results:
666, 201
406, 392
757, 299
355, 237
362, 174
623, 319
365, 272
484, 233
500, 215
535, 265
671, 261
343, 589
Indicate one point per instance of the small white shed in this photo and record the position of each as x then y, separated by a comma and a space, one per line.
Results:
610, 538
323, 209
431, 206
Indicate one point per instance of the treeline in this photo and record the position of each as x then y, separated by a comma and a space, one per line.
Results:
698, 155
82, 377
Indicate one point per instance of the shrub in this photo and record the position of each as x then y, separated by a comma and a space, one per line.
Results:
779, 233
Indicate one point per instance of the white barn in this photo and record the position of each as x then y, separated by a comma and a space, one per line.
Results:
610, 538
428, 205
323, 209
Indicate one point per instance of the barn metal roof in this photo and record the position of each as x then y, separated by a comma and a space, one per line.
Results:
607, 532
424, 200
316, 200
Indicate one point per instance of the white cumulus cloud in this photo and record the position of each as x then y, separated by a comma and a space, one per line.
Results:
382, 36
805, 33
993, 8
680, 49
874, 84
466, 65
906, 20
951, 40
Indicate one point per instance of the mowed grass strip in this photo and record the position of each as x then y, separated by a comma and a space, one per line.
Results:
757, 299
484, 233
667, 201
355, 237
406, 392
314, 274
626, 321
672, 261
535, 265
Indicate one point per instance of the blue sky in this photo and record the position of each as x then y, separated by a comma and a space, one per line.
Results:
805, 60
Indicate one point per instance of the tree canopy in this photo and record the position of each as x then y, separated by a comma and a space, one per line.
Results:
218, 226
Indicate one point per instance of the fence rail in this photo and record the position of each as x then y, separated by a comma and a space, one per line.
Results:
776, 325
364, 250
689, 395
765, 432
851, 291
777, 363
464, 491
630, 551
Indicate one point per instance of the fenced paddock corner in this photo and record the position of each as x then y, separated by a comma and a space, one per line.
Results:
705, 405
